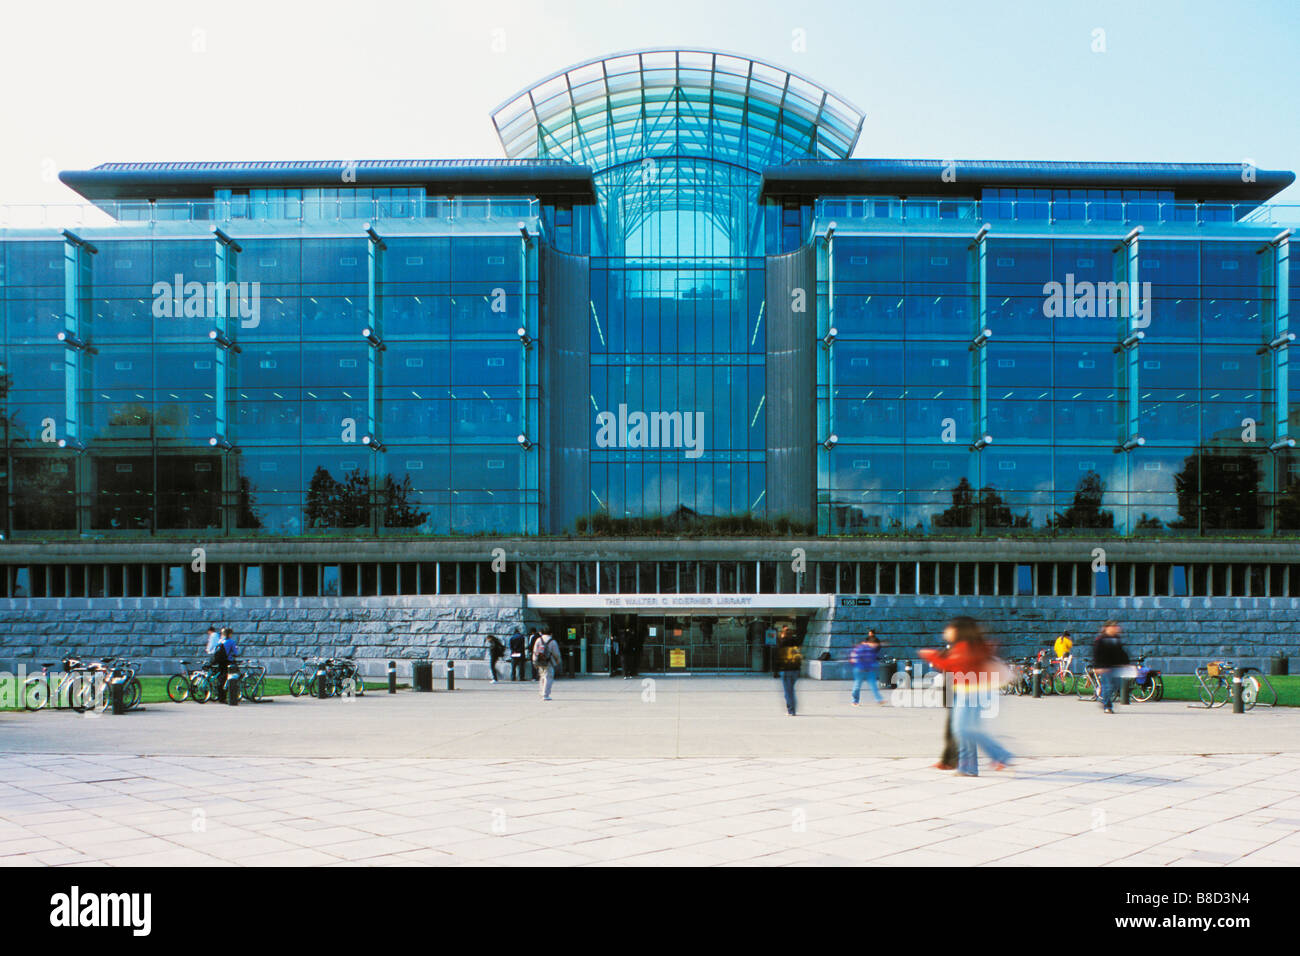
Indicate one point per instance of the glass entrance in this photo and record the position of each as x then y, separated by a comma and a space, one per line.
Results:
668, 643
701, 643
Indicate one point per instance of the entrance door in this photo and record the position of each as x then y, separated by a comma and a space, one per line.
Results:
676, 644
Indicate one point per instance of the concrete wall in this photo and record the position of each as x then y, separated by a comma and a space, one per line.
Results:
277, 631
1175, 633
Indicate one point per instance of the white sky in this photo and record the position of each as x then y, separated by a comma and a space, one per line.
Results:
88, 82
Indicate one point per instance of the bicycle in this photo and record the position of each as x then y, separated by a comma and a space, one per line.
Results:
37, 693
252, 678
1088, 686
1216, 677
1149, 684
311, 679
1063, 679
114, 670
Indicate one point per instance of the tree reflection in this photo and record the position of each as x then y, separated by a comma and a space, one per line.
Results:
1085, 511
346, 504
988, 506
1218, 491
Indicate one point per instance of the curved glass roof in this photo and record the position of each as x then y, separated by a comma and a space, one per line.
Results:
648, 103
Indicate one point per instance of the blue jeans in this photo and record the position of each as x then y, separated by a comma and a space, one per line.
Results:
787, 684
1108, 688
867, 677
972, 729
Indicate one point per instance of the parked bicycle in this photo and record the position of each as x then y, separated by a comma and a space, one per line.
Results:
1149, 684
326, 677
72, 688
1215, 679
84, 685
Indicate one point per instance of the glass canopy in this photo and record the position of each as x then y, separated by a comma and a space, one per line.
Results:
642, 105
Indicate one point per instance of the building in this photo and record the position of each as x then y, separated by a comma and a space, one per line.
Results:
677, 364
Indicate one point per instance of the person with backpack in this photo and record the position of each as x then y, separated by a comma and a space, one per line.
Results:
225, 654
496, 650
789, 661
546, 658
864, 656
517, 663
1108, 655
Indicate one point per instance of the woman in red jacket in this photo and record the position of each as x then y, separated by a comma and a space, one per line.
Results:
976, 677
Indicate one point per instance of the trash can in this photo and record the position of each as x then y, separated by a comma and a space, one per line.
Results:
422, 676
1279, 666
885, 671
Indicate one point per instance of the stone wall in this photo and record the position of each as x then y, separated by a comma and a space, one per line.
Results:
1176, 633
277, 631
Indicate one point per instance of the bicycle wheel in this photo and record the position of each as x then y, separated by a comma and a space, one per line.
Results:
1142, 692
1063, 683
132, 693
1159, 684
36, 693
298, 684
178, 689
1046, 683
359, 684
252, 690
1087, 687
201, 689
1212, 691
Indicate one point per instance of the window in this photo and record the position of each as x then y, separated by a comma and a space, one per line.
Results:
1024, 579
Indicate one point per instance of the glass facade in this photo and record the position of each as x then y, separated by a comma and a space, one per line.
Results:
677, 141
369, 358
1003, 382
312, 383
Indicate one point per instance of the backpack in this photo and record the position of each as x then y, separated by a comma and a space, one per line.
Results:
542, 650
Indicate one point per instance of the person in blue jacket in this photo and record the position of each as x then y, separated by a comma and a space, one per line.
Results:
864, 656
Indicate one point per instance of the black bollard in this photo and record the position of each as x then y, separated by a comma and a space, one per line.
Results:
907, 669
1238, 702
1125, 689
232, 688
115, 696
392, 677
1038, 684
451, 675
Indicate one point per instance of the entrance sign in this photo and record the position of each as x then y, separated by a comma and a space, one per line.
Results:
677, 657
681, 602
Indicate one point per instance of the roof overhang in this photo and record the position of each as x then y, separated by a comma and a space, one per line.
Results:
198, 180
1211, 182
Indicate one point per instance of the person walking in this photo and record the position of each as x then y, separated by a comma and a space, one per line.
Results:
789, 660
1108, 655
864, 656
975, 673
517, 663
631, 651
546, 657
947, 756
496, 651
533, 635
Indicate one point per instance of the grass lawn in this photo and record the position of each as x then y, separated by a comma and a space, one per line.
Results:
1185, 687
154, 690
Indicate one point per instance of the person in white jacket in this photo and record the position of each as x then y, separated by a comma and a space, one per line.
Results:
546, 658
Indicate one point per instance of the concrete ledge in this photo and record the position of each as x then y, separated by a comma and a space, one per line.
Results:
828, 670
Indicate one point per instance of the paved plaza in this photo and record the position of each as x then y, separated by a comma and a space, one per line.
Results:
682, 770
